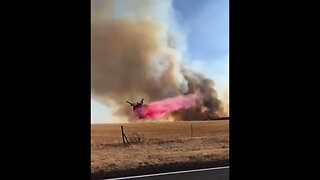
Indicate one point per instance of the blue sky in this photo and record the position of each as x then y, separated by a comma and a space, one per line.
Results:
206, 25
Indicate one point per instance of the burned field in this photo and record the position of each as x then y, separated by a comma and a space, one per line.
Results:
157, 146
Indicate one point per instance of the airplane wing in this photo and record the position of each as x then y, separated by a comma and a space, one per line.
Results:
130, 103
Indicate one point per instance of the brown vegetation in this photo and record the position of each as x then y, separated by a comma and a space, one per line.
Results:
154, 143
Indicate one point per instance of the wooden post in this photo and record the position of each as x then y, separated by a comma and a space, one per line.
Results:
126, 139
191, 131
122, 134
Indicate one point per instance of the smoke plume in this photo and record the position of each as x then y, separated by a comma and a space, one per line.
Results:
136, 52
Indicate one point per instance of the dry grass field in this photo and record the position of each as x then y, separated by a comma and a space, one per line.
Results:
154, 143
111, 133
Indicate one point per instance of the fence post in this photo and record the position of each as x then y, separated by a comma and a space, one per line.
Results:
122, 134
126, 139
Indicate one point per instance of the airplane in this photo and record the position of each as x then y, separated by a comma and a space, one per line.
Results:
137, 105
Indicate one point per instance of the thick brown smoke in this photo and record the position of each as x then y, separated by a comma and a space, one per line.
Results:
211, 104
134, 57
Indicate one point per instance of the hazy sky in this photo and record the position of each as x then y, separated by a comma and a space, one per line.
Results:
206, 25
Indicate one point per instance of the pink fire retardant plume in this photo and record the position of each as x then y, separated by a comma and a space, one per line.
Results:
162, 107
